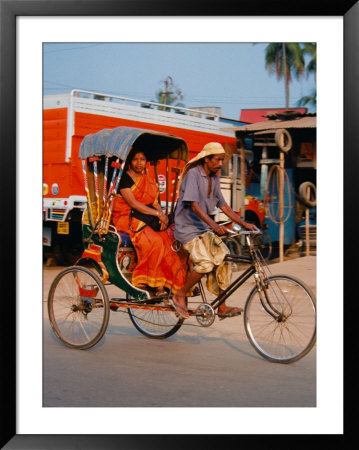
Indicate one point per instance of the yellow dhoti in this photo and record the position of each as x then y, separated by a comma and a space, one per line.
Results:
207, 253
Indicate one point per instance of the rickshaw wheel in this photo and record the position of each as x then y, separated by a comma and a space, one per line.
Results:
78, 307
154, 321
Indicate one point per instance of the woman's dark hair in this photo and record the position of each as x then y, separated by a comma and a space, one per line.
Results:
134, 152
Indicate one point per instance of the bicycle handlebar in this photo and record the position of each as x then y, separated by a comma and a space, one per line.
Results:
237, 229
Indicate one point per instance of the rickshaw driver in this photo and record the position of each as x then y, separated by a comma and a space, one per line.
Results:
199, 194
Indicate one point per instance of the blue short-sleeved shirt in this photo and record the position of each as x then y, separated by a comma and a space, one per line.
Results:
194, 188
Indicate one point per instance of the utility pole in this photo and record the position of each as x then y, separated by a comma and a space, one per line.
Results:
170, 94
167, 83
281, 206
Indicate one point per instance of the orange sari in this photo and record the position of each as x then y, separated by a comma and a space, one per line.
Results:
158, 265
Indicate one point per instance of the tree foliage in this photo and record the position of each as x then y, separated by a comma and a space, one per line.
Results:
310, 48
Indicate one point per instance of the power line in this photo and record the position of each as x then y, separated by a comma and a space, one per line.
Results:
197, 98
71, 48
259, 101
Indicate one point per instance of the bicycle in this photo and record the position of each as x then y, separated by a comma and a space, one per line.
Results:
279, 313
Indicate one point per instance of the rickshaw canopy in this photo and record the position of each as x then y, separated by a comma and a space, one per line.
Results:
119, 141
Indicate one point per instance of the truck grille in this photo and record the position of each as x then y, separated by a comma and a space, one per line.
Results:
57, 214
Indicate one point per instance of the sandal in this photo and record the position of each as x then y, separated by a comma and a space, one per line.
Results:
160, 292
231, 312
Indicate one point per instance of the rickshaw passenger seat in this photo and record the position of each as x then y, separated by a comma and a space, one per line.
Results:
125, 240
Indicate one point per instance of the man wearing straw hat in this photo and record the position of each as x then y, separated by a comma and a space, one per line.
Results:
200, 194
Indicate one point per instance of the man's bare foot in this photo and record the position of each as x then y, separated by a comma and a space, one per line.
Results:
179, 304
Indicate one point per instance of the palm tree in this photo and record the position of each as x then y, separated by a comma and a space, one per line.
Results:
308, 99
310, 48
283, 59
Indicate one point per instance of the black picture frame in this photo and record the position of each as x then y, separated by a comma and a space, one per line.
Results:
9, 10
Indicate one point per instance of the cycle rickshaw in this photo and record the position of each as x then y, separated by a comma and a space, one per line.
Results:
280, 311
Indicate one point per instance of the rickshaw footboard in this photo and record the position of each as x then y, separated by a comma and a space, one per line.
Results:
153, 304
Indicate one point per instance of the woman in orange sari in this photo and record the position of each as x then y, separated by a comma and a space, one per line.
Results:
158, 265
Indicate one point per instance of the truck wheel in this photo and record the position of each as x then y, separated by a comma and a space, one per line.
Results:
59, 255
66, 254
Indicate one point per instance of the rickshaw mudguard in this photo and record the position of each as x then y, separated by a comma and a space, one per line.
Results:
110, 244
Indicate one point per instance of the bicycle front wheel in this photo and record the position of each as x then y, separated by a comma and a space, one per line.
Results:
280, 321
78, 307
155, 321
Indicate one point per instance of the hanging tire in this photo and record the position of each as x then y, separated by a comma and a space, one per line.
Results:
310, 201
283, 139
263, 244
234, 248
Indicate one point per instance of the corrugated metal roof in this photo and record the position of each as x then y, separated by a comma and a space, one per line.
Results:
259, 114
300, 122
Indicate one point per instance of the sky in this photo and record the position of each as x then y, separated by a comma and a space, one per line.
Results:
231, 76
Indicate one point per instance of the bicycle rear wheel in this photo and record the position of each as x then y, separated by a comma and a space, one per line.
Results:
155, 321
282, 327
78, 307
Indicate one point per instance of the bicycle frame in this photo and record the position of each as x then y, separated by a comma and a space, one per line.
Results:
222, 297
239, 281
253, 270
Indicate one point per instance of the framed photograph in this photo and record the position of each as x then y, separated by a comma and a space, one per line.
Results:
24, 28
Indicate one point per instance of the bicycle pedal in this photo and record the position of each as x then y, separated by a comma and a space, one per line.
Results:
227, 316
196, 292
166, 302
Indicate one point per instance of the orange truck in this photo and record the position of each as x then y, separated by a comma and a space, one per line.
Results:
68, 118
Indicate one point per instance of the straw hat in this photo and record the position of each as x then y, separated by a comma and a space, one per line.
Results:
212, 148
